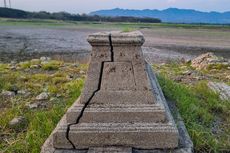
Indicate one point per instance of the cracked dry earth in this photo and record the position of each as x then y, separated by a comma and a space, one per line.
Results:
162, 44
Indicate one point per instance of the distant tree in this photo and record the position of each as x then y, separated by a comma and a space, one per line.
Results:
13, 13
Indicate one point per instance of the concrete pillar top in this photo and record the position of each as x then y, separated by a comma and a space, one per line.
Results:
135, 38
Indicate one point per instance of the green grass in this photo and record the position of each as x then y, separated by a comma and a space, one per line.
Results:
51, 65
127, 29
102, 25
41, 121
200, 108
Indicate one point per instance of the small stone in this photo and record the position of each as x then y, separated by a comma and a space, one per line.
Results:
32, 106
23, 78
198, 78
35, 66
21, 92
8, 94
187, 72
82, 72
42, 96
43, 59
220, 88
18, 123
162, 64
35, 61
36, 105
53, 99
58, 95
13, 67
228, 77
24, 93
13, 62
75, 65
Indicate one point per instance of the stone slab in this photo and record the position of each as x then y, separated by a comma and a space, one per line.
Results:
123, 97
134, 38
110, 150
118, 113
140, 135
118, 76
118, 37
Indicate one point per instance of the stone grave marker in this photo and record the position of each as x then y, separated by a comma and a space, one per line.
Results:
121, 104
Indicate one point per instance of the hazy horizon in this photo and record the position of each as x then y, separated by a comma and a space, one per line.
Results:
77, 6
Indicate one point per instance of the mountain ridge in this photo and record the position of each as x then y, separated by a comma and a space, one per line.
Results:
173, 15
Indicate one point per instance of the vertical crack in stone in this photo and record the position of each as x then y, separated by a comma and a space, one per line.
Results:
111, 48
93, 94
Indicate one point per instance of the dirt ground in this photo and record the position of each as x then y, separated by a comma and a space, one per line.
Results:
162, 44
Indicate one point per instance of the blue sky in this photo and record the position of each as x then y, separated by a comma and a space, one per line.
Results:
85, 6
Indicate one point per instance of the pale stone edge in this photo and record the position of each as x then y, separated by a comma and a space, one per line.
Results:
160, 99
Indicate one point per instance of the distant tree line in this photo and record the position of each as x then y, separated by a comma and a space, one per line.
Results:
14, 13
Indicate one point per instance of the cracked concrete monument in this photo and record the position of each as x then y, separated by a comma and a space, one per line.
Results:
121, 104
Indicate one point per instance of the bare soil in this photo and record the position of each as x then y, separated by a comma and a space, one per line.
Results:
162, 44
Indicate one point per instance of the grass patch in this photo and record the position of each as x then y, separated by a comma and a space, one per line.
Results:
42, 121
201, 109
25, 65
102, 25
127, 29
51, 65
218, 66
205, 115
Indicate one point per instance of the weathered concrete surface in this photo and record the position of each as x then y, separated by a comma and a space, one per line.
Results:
118, 113
110, 150
139, 135
121, 104
185, 144
123, 97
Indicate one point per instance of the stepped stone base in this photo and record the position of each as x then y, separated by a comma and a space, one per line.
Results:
117, 113
122, 107
120, 124
140, 135
185, 144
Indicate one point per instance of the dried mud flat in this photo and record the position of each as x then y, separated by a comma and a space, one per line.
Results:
69, 44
